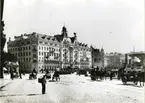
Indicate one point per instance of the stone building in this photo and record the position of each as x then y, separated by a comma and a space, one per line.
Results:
42, 51
97, 57
114, 60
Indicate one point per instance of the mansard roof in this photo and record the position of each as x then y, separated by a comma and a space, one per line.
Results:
46, 37
59, 37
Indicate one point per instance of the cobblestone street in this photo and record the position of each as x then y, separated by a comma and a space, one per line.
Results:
72, 89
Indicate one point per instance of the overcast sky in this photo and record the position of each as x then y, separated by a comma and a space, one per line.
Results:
115, 25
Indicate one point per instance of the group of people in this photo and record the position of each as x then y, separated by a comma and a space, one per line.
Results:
101, 74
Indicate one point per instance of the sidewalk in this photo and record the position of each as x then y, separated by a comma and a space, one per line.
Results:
5, 81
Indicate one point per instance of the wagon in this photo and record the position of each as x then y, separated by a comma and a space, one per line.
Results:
129, 77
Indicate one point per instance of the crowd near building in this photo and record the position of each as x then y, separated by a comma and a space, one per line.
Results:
41, 51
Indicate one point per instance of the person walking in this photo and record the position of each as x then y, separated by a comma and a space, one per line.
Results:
11, 73
43, 84
111, 75
20, 74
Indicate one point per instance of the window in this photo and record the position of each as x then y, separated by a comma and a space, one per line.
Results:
39, 53
39, 48
42, 53
29, 59
44, 48
23, 53
50, 43
28, 42
23, 48
26, 48
29, 53
26, 53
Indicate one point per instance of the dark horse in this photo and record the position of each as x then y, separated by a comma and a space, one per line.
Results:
141, 77
56, 75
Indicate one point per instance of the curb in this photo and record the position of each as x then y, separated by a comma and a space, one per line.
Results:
4, 85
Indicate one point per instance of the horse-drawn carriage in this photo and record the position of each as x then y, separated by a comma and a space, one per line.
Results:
13, 69
33, 75
130, 75
98, 74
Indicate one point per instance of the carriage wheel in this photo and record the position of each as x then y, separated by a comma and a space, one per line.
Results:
93, 78
135, 83
124, 82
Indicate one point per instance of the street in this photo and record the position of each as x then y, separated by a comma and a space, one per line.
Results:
71, 89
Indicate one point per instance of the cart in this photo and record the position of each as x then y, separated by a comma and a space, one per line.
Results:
129, 76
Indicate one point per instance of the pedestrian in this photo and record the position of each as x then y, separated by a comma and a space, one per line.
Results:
20, 73
43, 84
111, 75
11, 73
56, 75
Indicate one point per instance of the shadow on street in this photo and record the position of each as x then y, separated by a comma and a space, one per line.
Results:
19, 95
132, 85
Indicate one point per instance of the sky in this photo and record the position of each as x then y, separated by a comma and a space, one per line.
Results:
115, 25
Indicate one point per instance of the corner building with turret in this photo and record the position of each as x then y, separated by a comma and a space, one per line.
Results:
42, 51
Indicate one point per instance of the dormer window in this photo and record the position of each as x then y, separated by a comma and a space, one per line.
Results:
48, 38
43, 37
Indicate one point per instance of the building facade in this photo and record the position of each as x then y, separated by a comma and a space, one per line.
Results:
41, 51
97, 57
114, 60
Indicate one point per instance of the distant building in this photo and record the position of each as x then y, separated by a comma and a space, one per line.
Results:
42, 51
114, 60
131, 60
137, 58
97, 57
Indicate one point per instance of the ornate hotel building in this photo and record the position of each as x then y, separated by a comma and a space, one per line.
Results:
42, 51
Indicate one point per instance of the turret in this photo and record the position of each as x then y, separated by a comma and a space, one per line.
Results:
64, 31
75, 35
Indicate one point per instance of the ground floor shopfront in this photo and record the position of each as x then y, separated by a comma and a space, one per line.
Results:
51, 65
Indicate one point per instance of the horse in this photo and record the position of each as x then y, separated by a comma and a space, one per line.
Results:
141, 77
56, 76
